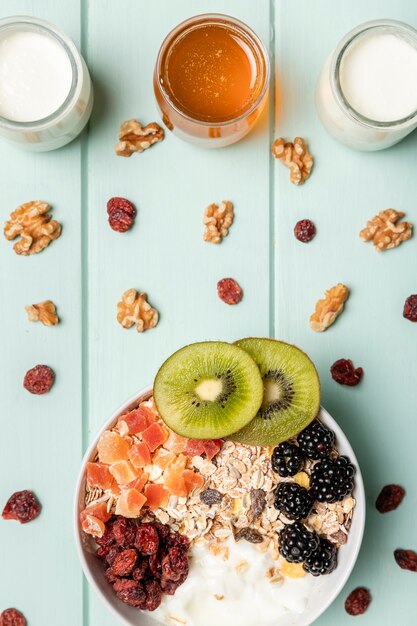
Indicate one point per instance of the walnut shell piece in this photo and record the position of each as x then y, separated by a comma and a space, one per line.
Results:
134, 309
386, 231
35, 226
217, 220
133, 137
44, 312
328, 309
296, 156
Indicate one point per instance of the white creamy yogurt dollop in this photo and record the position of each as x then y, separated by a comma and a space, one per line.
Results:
247, 598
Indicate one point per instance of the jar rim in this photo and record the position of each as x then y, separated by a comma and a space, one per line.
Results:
204, 18
335, 64
76, 68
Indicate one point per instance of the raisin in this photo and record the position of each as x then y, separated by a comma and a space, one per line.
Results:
124, 562
406, 559
410, 308
147, 539
12, 617
249, 534
258, 502
39, 379
304, 231
390, 498
229, 291
22, 506
211, 496
153, 595
358, 601
121, 204
124, 531
344, 373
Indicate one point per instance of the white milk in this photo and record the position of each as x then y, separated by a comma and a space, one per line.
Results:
35, 75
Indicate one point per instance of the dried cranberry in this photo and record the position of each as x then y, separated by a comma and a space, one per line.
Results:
22, 506
110, 575
153, 595
120, 221
304, 230
155, 563
121, 204
344, 373
107, 539
133, 595
12, 617
124, 562
124, 531
176, 540
39, 379
358, 601
163, 530
147, 539
410, 308
390, 498
406, 559
140, 570
229, 291
124, 584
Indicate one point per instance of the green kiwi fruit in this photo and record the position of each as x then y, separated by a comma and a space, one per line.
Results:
291, 392
208, 390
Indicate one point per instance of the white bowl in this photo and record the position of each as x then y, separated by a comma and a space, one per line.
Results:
325, 590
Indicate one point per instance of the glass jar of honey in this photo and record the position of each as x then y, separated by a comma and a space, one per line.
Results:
211, 80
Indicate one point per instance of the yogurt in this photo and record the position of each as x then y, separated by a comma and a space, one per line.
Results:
235, 591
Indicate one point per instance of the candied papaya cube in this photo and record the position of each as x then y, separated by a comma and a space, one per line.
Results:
123, 472
98, 475
93, 526
192, 480
139, 482
130, 503
174, 482
179, 463
112, 448
162, 458
134, 422
212, 447
195, 447
175, 443
139, 455
96, 509
154, 436
156, 496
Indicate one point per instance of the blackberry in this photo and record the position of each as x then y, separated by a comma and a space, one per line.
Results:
293, 500
332, 480
296, 543
287, 459
323, 560
316, 440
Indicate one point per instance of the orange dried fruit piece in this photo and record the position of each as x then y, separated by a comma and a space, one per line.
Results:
139, 482
154, 436
175, 443
123, 472
130, 503
112, 448
174, 481
162, 458
194, 447
139, 455
98, 510
156, 496
211, 447
98, 475
93, 526
135, 422
192, 480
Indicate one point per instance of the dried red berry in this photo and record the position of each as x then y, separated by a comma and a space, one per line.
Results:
153, 595
124, 562
140, 570
22, 506
120, 221
121, 204
406, 559
358, 601
390, 498
229, 291
124, 531
12, 617
304, 231
410, 308
147, 540
39, 379
344, 373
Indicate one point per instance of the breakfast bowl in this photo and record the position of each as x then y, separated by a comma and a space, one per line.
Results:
317, 595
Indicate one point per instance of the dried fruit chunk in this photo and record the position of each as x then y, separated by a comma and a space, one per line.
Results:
358, 601
212, 447
175, 443
98, 510
123, 472
229, 291
344, 373
135, 421
22, 506
304, 231
136, 138
112, 447
93, 526
139, 455
39, 379
34, 224
192, 480
389, 498
125, 562
121, 214
121, 204
328, 309
147, 539
162, 458
217, 220
130, 503
44, 312
12, 617
410, 308
385, 231
406, 559
98, 475
156, 496
134, 309
295, 156
154, 436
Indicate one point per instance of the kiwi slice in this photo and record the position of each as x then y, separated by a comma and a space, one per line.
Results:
291, 392
208, 390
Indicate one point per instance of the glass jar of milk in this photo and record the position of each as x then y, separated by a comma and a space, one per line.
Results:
46, 95
366, 96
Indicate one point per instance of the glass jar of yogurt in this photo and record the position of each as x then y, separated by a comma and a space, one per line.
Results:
46, 95
366, 96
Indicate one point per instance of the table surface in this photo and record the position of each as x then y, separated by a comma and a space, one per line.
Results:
98, 364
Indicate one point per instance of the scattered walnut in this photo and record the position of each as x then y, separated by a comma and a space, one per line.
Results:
136, 138
134, 308
328, 309
385, 231
274, 575
295, 156
218, 219
33, 223
44, 312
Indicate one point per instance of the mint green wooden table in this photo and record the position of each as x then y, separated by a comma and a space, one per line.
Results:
98, 364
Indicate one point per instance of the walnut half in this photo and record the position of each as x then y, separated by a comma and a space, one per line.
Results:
328, 309
133, 137
34, 225
296, 156
134, 309
386, 231
44, 312
217, 220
